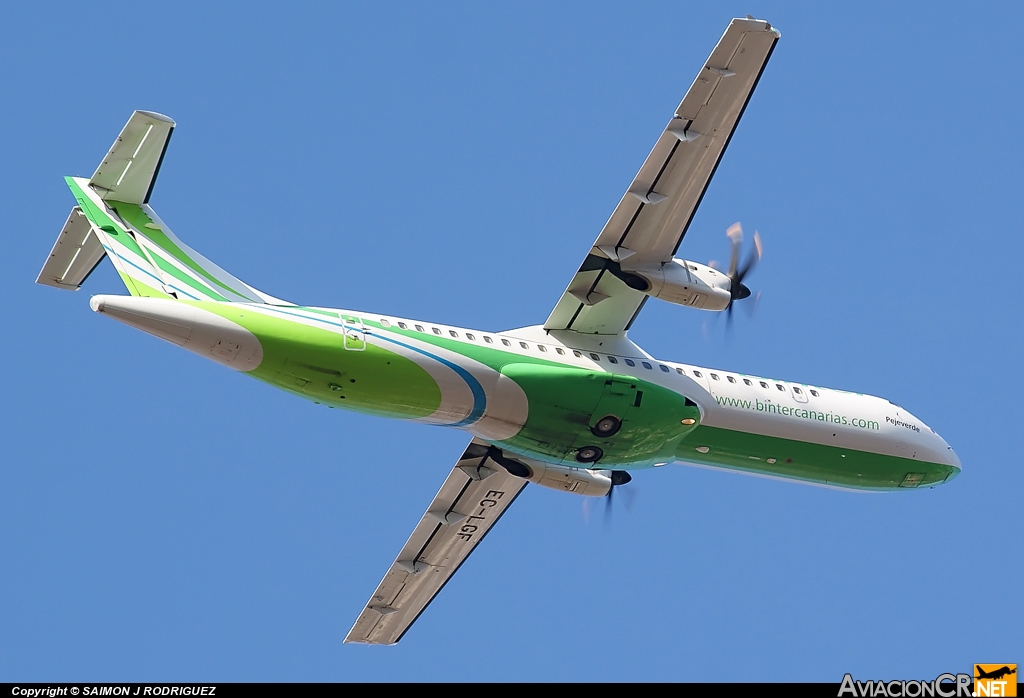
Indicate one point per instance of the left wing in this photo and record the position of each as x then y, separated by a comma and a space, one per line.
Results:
650, 221
470, 502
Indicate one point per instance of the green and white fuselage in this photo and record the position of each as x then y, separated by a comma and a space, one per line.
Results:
570, 404
535, 393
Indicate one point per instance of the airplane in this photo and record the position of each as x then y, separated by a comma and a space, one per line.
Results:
572, 404
995, 674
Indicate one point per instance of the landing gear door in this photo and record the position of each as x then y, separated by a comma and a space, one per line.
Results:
618, 396
353, 332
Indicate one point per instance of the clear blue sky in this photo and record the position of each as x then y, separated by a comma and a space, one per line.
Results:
164, 518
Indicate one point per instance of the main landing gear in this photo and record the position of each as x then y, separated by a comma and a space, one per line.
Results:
608, 425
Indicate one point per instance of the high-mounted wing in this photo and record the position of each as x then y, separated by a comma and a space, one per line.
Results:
654, 214
472, 499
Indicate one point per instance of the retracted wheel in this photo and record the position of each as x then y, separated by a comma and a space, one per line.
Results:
589, 454
606, 426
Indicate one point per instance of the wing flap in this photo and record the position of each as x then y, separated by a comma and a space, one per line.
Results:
472, 499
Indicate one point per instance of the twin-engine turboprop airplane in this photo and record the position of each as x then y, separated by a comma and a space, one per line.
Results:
572, 404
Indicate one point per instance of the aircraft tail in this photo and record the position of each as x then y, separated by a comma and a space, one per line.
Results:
113, 218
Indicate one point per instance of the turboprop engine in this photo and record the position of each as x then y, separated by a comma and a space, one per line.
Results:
592, 483
683, 282
584, 481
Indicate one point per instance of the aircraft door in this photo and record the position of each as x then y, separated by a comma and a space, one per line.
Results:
619, 395
353, 332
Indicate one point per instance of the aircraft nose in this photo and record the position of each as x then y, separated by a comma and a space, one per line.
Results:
948, 457
953, 459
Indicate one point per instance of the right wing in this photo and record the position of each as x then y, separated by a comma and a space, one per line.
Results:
472, 499
650, 221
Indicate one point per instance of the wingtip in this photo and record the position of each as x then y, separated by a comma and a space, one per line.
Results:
156, 115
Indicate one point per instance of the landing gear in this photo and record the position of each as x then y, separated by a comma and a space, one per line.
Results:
606, 426
589, 454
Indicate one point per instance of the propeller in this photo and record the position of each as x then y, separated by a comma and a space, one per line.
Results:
619, 478
737, 271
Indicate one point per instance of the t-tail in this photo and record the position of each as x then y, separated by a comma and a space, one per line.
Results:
113, 219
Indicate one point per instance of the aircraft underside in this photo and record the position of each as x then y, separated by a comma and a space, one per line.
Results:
571, 405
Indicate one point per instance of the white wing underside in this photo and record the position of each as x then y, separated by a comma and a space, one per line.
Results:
472, 499
651, 219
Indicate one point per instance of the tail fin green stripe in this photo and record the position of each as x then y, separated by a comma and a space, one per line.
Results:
134, 215
150, 259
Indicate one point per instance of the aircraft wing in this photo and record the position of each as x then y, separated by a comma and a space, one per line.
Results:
472, 499
651, 219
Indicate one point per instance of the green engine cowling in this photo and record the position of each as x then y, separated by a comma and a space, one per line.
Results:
569, 418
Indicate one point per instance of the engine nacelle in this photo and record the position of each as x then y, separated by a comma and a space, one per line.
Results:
685, 283
592, 483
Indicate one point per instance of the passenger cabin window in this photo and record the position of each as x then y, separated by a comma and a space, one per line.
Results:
646, 365
470, 337
541, 347
559, 350
577, 353
629, 362
730, 379
797, 390
453, 333
488, 339
714, 376
594, 356
524, 345
506, 342
815, 393
403, 325
419, 328
698, 374
384, 323
680, 371
764, 385
436, 331
779, 386
746, 381
612, 360
663, 367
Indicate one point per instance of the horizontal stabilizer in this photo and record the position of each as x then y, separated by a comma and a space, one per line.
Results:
73, 257
129, 170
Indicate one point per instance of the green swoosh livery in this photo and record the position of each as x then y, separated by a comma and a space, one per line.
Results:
570, 404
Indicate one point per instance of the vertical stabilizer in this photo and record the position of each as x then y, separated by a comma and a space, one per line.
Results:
114, 218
